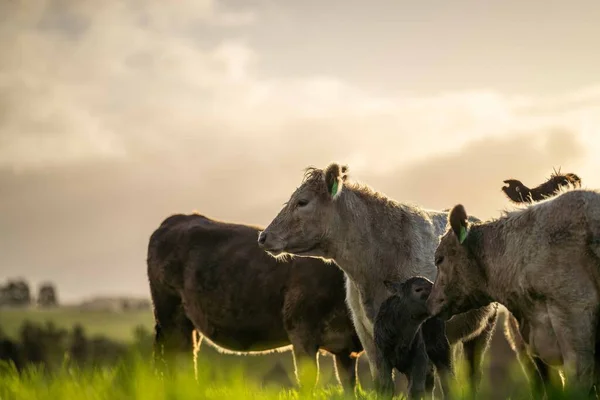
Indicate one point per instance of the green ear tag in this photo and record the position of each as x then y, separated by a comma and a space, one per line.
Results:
463, 234
334, 188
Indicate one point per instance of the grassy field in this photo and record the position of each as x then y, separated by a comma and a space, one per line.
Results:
221, 376
114, 325
136, 379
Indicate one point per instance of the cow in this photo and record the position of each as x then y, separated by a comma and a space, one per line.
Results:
518, 193
411, 341
372, 238
542, 263
539, 374
210, 279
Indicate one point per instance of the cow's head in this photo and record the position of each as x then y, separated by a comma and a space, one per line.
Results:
516, 191
460, 278
413, 293
304, 224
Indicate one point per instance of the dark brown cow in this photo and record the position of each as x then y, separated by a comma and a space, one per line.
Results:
518, 193
212, 276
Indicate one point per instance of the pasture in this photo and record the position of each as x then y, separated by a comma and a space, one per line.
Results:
92, 353
221, 376
275, 369
118, 326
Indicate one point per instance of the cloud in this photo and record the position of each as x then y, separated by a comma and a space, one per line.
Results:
84, 82
114, 115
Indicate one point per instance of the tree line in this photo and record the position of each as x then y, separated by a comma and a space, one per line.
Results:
17, 293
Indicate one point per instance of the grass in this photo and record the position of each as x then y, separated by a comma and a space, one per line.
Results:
221, 376
135, 378
113, 325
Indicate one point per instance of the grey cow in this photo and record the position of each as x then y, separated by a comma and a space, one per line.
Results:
543, 264
372, 238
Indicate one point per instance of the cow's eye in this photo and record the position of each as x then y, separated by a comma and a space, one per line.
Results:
439, 260
302, 202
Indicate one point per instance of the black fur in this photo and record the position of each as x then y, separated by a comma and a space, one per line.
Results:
408, 340
518, 193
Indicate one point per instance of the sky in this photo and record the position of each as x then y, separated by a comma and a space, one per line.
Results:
117, 114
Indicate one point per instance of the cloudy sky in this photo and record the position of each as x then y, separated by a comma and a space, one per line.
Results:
116, 114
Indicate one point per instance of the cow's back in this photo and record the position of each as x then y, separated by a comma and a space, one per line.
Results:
557, 228
164, 249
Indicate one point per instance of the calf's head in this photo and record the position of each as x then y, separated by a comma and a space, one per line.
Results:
460, 279
303, 225
414, 293
515, 190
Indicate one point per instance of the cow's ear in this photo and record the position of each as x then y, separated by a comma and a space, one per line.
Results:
335, 176
392, 287
458, 222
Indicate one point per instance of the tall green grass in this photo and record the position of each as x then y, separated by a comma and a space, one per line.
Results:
136, 378
220, 376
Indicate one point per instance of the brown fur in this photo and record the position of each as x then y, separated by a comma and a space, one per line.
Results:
543, 264
518, 193
458, 218
212, 277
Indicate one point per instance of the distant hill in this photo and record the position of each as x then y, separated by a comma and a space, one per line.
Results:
116, 304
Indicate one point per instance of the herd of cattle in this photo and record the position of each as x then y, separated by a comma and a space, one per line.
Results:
346, 269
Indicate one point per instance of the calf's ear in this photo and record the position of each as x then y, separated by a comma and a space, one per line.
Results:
458, 222
335, 176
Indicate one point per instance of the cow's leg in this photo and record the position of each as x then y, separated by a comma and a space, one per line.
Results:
536, 371
306, 363
550, 378
441, 356
381, 371
575, 331
540, 376
197, 343
345, 370
475, 350
418, 375
173, 331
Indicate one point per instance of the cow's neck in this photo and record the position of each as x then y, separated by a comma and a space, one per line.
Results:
369, 235
502, 276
